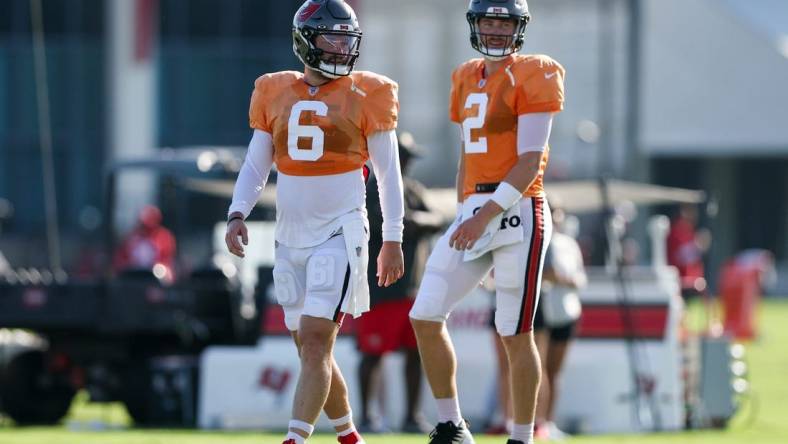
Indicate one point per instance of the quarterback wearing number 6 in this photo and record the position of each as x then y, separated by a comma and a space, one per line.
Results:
504, 104
320, 127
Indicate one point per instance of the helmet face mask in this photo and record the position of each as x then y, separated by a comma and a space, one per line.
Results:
326, 37
487, 20
337, 53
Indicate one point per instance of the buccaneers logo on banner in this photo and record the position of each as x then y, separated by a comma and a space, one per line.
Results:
275, 379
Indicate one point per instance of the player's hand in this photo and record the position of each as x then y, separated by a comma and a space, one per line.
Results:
391, 264
235, 229
468, 232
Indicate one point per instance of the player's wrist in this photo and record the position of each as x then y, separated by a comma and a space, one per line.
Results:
235, 216
506, 195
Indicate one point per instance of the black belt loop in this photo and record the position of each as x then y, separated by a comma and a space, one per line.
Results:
487, 187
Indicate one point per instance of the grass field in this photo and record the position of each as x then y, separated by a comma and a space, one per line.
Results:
763, 420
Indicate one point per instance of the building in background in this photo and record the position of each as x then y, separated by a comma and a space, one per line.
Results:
679, 93
203, 62
76, 58
713, 114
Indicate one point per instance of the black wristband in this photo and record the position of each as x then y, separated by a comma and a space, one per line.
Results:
233, 218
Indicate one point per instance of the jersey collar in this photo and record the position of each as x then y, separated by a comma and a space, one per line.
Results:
480, 71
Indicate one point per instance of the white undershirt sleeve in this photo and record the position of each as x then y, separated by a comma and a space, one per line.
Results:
533, 131
254, 173
384, 155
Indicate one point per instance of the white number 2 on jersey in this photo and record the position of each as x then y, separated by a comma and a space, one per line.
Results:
295, 131
476, 122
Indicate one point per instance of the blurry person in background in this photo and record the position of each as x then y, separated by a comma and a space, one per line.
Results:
147, 246
504, 104
686, 246
320, 127
557, 315
386, 327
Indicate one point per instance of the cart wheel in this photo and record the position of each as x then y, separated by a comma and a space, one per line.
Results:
31, 394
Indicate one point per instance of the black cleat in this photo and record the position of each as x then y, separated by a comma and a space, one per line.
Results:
512, 441
448, 433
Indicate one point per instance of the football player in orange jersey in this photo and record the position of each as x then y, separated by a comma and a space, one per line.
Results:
504, 104
319, 127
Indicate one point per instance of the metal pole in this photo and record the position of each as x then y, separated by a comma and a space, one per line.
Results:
636, 158
640, 367
45, 135
606, 91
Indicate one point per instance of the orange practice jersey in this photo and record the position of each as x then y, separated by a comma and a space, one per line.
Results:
322, 130
488, 108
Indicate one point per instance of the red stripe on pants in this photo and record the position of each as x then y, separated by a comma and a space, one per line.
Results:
534, 258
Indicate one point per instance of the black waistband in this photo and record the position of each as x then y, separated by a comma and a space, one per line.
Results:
487, 187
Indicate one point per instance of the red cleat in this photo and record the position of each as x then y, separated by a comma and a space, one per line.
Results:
541, 432
353, 438
289, 441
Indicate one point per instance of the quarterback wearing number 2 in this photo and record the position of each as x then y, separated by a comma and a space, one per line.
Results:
320, 127
504, 105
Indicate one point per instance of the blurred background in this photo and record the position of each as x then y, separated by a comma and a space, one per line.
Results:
678, 93
671, 92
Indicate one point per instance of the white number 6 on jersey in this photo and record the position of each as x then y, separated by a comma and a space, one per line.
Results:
296, 131
476, 122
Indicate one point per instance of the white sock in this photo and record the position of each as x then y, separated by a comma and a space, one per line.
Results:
523, 432
345, 420
295, 436
449, 410
347, 431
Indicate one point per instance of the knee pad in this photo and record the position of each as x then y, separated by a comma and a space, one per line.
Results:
429, 304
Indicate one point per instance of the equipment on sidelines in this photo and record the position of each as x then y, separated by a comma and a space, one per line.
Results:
718, 374
132, 337
623, 374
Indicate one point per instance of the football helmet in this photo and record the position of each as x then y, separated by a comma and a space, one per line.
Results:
498, 9
326, 37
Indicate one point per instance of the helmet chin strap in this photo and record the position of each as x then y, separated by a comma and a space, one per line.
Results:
332, 75
495, 58
322, 73
328, 75
325, 74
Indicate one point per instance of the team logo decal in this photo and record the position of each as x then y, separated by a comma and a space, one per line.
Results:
308, 11
275, 380
497, 10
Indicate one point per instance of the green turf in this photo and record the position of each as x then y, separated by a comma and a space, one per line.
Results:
761, 421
